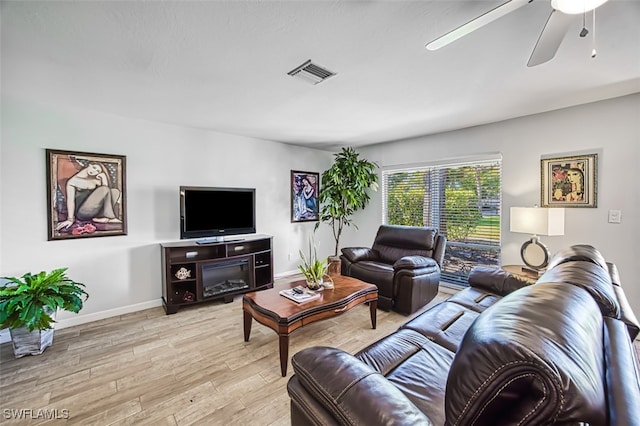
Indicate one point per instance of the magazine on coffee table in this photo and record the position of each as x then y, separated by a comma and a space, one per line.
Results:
300, 294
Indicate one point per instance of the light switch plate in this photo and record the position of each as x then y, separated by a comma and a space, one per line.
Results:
615, 216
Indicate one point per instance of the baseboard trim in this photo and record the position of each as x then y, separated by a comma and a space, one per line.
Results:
83, 319
286, 274
96, 316
448, 288
109, 313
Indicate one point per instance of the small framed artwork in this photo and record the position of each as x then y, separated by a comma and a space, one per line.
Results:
305, 187
569, 181
86, 195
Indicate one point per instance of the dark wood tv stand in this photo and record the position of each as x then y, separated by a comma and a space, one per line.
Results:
196, 273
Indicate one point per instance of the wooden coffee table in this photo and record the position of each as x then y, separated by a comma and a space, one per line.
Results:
284, 316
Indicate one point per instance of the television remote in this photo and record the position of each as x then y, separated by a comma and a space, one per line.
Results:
208, 240
297, 290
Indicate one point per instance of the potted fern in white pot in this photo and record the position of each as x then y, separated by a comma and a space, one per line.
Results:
28, 306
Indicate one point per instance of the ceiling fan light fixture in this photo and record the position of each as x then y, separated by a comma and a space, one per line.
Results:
575, 7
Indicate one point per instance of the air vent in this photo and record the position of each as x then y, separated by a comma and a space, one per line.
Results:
311, 72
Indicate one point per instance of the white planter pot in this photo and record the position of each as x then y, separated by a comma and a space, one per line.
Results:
34, 342
30, 343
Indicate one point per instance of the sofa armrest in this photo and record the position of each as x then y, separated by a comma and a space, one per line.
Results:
439, 248
415, 262
623, 377
496, 281
359, 254
527, 360
626, 314
353, 392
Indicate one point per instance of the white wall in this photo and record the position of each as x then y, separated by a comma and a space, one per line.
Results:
610, 128
122, 273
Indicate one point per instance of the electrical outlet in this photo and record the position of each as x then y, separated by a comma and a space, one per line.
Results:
615, 216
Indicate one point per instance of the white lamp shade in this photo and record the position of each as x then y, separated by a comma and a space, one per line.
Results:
574, 7
537, 220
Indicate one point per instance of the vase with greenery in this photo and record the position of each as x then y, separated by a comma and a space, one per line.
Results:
28, 306
312, 267
344, 190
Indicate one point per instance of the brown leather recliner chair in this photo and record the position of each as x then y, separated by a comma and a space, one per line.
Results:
404, 262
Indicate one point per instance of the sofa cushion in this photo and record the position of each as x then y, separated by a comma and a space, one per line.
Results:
413, 364
417, 262
535, 357
444, 324
389, 352
474, 298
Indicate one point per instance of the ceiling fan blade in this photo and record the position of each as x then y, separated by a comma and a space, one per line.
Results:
476, 23
550, 38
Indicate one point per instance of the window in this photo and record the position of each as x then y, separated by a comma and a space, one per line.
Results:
460, 198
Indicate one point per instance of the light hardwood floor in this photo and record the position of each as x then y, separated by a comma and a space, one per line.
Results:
189, 368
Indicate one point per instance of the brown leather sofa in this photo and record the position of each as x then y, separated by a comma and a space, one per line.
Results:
499, 352
404, 262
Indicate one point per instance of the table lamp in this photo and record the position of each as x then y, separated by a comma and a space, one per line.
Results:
536, 221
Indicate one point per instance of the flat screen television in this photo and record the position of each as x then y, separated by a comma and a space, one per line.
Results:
216, 212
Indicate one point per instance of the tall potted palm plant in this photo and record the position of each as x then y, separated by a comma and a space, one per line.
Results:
28, 306
345, 190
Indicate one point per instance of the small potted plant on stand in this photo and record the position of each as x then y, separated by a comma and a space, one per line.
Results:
314, 270
28, 307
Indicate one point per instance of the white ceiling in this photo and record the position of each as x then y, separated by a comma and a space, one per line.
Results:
222, 65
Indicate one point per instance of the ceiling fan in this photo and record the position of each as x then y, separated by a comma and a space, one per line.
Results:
562, 15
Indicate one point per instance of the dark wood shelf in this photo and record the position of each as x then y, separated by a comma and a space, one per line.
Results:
216, 271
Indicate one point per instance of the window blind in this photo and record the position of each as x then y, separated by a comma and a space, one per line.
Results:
462, 199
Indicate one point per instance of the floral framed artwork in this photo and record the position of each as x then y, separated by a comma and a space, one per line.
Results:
86, 195
305, 187
569, 181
